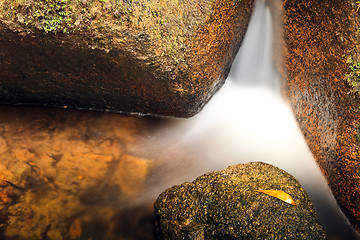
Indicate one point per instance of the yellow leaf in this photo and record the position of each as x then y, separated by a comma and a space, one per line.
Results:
283, 196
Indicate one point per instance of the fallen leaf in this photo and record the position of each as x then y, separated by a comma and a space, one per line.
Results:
283, 196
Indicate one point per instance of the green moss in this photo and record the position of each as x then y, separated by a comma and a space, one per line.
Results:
353, 60
164, 23
59, 18
226, 205
357, 136
48, 15
353, 78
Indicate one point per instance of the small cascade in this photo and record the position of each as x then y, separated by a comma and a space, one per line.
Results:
254, 63
248, 120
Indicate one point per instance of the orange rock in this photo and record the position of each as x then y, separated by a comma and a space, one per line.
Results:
103, 158
318, 38
131, 173
75, 229
6, 196
23, 154
3, 146
169, 60
109, 148
2, 180
5, 174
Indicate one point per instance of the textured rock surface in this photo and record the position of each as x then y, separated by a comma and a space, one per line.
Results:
319, 38
151, 57
225, 205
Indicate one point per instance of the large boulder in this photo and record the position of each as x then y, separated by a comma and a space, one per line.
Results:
321, 77
150, 57
227, 205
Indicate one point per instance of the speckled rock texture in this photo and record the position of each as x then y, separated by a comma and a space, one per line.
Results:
154, 57
225, 205
319, 39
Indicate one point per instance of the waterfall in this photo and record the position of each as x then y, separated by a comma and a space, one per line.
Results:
254, 63
247, 120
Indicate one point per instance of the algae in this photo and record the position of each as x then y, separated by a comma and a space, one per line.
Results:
225, 205
353, 58
146, 20
353, 78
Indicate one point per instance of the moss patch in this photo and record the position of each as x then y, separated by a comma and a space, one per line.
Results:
163, 21
353, 78
353, 58
48, 15
226, 205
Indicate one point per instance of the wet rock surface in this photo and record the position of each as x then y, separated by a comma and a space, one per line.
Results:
319, 38
148, 57
226, 205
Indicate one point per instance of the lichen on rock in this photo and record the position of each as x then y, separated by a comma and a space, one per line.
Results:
226, 205
353, 56
319, 70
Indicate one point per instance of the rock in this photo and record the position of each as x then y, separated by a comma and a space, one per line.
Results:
148, 57
3, 146
131, 174
319, 38
226, 205
20, 174
5, 174
75, 229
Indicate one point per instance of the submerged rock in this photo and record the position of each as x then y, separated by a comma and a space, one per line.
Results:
149, 57
72, 175
226, 205
321, 64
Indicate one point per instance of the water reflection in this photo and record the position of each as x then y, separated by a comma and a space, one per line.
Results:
64, 172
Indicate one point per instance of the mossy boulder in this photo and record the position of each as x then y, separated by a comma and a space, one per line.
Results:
320, 70
136, 56
226, 205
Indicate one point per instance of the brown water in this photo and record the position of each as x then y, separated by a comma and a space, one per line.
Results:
66, 174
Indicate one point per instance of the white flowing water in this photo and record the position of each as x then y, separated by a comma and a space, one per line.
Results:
248, 120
